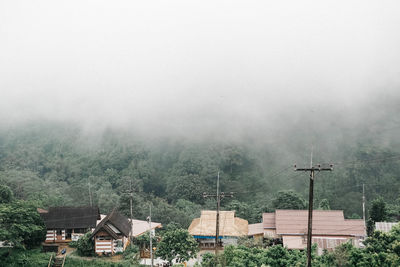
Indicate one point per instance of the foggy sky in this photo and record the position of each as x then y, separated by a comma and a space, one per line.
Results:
194, 65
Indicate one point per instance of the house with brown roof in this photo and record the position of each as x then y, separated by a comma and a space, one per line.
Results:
112, 232
111, 235
65, 224
329, 227
256, 230
230, 228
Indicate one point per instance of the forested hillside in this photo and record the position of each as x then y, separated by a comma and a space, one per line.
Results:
60, 163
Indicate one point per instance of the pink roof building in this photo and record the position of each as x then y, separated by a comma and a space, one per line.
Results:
329, 227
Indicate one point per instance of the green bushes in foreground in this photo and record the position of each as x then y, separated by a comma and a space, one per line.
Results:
35, 258
381, 250
77, 262
23, 258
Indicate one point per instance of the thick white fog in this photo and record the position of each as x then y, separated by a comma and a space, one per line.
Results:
165, 66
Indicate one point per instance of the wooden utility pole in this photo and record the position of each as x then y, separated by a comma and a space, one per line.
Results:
131, 200
151, 238
363, 206
218, 196
312, 170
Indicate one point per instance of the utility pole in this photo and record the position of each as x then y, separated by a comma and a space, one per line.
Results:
312, 170
363, 205
218, 196
131, 199
151, 237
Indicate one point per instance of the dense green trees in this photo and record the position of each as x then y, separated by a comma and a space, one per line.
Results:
6, 195
378, 211
241, 256
381, 249
324, 204
288, 200
177, 244
53, 164
21, 224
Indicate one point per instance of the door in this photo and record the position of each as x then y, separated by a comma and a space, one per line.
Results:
59, 235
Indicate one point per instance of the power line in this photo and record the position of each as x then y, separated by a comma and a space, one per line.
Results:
373, 160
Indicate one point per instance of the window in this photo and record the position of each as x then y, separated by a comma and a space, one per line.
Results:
103, 238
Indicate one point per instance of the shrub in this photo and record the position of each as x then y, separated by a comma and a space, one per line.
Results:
73, 244
131, 253
85, 245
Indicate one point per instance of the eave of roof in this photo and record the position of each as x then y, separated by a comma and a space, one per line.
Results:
117, 220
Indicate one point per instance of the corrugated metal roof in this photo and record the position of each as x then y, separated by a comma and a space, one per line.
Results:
325, 222
269, 220
139, 227
71, 217
256, 229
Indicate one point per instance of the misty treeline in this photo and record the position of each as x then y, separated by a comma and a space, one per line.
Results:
56, 164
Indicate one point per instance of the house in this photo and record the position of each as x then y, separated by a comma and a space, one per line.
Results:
65, 224
384, 226
329, 227
230, 228
256, 230
139, 228
112, 233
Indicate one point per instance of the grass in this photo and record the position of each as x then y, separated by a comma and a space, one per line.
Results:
35, 258
75, 261
23, 258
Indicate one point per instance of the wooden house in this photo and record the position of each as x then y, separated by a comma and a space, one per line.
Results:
65, 224
111, 235
112, 232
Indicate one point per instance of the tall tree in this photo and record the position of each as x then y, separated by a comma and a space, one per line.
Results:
21, 224
177, 244
6, 194
378, 212
288, 200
